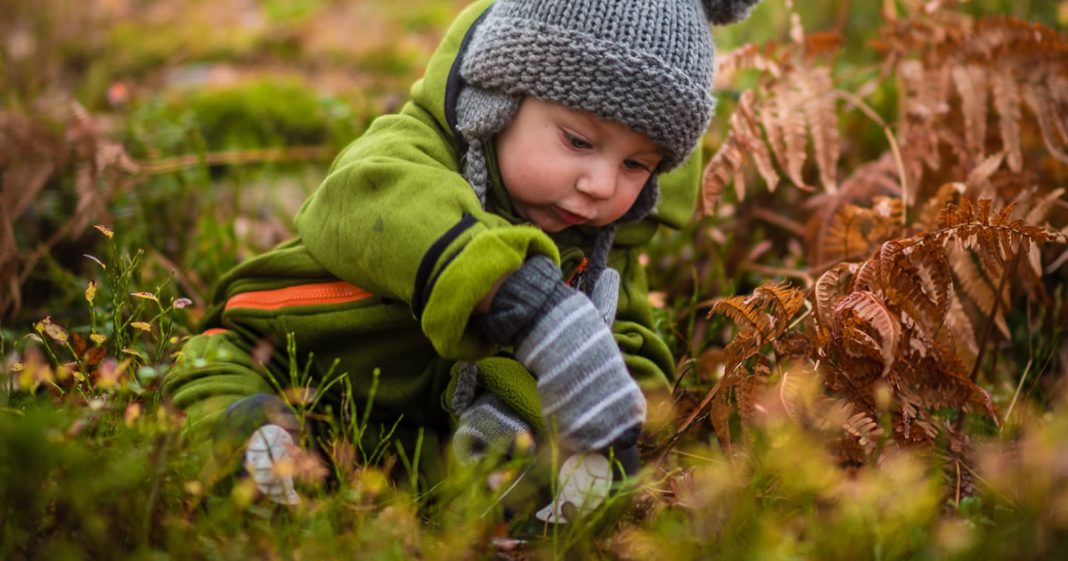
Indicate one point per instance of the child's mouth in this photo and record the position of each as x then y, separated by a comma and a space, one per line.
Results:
569, 217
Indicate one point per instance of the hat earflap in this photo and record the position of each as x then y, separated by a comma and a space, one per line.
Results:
480, 114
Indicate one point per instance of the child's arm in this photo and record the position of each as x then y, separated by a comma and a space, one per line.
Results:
395, 217
583, 384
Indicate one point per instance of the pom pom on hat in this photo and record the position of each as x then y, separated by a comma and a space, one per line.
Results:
722, 12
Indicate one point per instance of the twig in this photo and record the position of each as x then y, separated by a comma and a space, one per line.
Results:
1012, 404
788, 224
668, 446
778, 271
237, 157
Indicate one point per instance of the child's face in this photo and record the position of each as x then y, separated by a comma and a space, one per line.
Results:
564, 168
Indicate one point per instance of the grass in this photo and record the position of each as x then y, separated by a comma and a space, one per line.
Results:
93, 462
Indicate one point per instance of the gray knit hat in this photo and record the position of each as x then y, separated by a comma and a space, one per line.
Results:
647, 64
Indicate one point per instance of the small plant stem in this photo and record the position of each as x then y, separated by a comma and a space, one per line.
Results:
414, 475
779, 272
159, 462
691, 320
994, 312
92, 318
956, 497
51, 353
792, 226
858, 103
1012, 404
690, 419
238, 157
77, 359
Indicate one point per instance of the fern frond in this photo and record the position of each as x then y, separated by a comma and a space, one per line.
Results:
750, 137
924, 103
817, 90
831, 286
745, 311
785, 301
929, 213
1040, 100
916, 279
799, 388
720, 410
1007, 103
1037, 213
971, 83
748, 392
745, 57
868, 276
747, 388
865, 430
935, 379
788, 120
725, 166
975, 285
768, 114
960, 327
859, 313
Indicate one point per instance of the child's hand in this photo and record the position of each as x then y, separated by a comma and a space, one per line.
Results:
585, 389
489, 426
605, 295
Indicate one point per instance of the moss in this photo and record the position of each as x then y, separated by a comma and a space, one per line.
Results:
267, 112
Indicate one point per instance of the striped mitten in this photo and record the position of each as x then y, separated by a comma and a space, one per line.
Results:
489, 425
585, 390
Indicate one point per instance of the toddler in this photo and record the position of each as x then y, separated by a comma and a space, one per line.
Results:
473, 259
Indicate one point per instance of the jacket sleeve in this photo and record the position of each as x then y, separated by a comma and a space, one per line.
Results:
394, 216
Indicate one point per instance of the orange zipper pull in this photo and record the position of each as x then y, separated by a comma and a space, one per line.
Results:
578, 272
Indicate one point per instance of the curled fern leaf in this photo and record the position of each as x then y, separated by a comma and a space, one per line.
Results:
866, 329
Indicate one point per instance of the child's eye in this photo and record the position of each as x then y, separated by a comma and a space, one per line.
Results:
577, 141
636, 165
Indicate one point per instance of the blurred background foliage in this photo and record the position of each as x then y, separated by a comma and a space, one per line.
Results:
194, 130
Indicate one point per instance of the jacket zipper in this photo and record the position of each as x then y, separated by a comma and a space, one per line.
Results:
577, 275
336, 292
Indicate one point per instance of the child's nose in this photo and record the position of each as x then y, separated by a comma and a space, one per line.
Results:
599, 182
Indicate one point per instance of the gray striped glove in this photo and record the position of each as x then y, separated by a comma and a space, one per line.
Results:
489, 426
558, 334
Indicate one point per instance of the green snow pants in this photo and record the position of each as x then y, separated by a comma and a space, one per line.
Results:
332, 337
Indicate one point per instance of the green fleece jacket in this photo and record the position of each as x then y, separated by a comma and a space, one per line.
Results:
395, 217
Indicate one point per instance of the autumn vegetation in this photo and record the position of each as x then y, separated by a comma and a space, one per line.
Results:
868, 307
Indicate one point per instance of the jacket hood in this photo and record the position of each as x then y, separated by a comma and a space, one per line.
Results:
439, 88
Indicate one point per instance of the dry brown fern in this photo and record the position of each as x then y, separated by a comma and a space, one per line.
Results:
773, 122
762, 318
912, 278
919, 252
31, 157
888, 324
